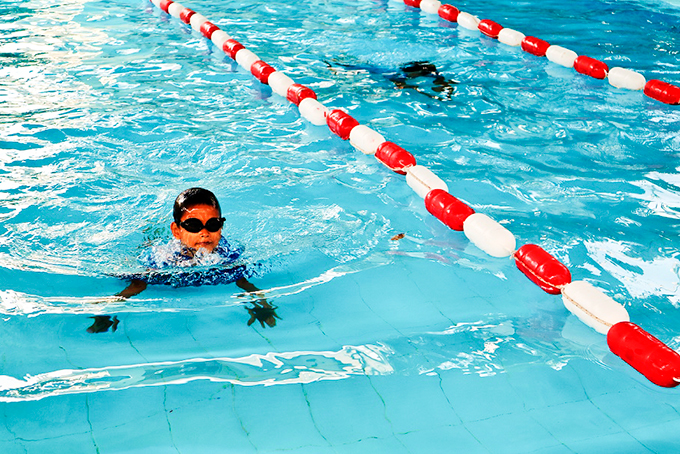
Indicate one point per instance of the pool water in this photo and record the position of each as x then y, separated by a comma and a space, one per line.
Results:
423, 344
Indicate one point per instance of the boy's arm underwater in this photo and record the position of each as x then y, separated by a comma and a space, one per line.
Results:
219, 275
246, 285
135, 287
261, 311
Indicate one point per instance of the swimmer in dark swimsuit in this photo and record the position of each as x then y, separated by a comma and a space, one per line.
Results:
421, 76
198, 255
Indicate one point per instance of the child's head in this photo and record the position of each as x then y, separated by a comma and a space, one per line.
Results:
197, 219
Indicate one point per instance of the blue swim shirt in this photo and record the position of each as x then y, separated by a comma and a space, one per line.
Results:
176, 265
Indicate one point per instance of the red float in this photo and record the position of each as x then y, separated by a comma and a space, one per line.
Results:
413, 3
395, 157
208, 28
447, 208
261, 70
535, 46
341, 123
645, 353
663, 91
297, 93
165, 4
490, 28
448, 12
591, 67
185, 15
231, 46
542, 268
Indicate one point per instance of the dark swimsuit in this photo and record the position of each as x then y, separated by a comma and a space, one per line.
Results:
176, 265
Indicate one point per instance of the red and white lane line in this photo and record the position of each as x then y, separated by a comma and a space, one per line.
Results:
648, 355
617, 77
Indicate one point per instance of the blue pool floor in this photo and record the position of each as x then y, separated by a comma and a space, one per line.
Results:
411, 400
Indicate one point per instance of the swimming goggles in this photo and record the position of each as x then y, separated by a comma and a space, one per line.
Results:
193, 225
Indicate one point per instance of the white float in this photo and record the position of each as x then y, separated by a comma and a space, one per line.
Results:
156, 3
511, 37
561, 56
196, 20
365, 139
245, 59
467, 20
175, 9
311, 109
422, 180
626, 78
593, 307
430, 6
280, 83
489, 236
219, 37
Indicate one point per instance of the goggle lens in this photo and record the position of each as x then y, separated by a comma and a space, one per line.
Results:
193, 225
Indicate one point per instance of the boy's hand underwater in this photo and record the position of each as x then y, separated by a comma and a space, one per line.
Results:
263, 312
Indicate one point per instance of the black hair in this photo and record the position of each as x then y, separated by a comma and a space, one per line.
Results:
192, 197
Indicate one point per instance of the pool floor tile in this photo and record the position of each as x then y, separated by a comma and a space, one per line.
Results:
186, 407
146, 434
69, 444
347, 411
399, 302
148, 438
5, 434
12, 447
513, 433
372, 445
305, 449
555, 449
575, 421
154, 343
127, 407
479, 398
444, 439
414, 402
622, 442
631, 409
598, 380
660, 438
542, 386
276, 417
208, 340
33, 420
340, 305
463, 309
80, 349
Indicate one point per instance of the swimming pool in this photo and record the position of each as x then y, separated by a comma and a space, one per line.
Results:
424, 344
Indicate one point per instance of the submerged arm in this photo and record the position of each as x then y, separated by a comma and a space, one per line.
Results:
136, 287
261, 311
246, 285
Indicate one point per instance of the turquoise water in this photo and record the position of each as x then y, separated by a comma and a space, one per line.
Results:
424, 344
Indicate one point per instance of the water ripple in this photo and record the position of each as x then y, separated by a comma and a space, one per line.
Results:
268, 370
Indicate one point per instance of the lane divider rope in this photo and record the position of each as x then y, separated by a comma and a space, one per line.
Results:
618, 77
645, 353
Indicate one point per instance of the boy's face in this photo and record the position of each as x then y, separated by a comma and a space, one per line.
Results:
204, 238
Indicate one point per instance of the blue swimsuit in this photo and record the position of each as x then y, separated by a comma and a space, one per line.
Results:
176, 265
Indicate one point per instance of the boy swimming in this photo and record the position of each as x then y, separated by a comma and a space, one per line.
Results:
198, 255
